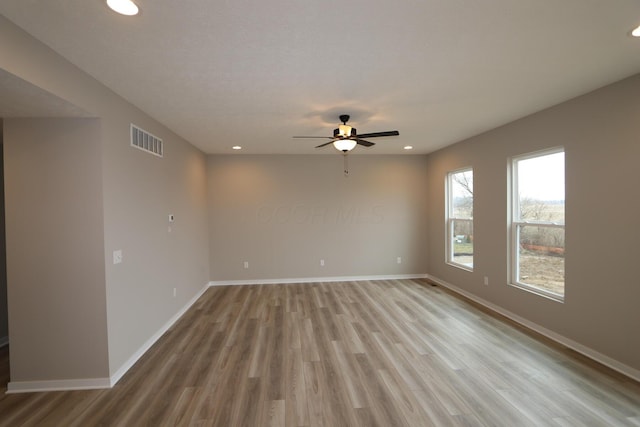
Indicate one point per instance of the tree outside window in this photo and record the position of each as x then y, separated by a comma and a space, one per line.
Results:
460, 218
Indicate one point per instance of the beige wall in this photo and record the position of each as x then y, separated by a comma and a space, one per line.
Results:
55, 249
283, 214
138, 192
600, 132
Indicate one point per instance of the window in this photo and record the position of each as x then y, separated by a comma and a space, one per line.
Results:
537, 228
460, 218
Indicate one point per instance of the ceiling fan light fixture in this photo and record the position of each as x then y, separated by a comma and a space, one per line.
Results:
123, 7
344, 131
345, 145
345, 138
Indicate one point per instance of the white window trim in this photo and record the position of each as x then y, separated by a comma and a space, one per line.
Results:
450, 220
515, 225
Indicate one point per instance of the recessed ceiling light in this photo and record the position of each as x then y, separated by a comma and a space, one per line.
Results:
123, 7
236, 147
408, 147
636, 32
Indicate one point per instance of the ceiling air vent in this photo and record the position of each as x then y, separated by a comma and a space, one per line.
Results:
145, 141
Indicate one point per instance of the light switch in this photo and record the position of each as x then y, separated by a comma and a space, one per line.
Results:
117, 256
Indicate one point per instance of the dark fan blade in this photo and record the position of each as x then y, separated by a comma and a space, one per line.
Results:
377, 134
364, 143
322, 145
323, 137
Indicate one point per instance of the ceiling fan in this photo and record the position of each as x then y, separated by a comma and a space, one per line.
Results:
345, 138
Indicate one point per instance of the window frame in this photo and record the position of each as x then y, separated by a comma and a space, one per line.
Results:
451, 219
516, 223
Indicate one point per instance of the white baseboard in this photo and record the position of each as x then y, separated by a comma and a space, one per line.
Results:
147, 345
4, 341
316, 279
567, 342
100, 383
57, 385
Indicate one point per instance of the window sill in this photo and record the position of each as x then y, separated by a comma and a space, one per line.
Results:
539, 292
461, 266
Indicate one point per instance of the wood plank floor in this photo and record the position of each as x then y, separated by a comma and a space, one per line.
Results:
379, 353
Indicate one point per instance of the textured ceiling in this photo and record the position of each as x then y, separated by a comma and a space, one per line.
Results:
256, 73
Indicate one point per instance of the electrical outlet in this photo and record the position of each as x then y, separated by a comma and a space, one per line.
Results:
399, 260
117, 256
321, 263
175, 292
486, 280
246, 264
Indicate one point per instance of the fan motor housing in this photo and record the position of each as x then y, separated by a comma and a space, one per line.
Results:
336, 133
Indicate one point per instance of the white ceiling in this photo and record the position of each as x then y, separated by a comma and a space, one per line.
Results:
255, 73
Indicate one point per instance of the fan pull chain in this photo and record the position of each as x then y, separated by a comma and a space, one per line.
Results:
346, 165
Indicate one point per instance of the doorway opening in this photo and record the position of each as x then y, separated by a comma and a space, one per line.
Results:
4, 312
